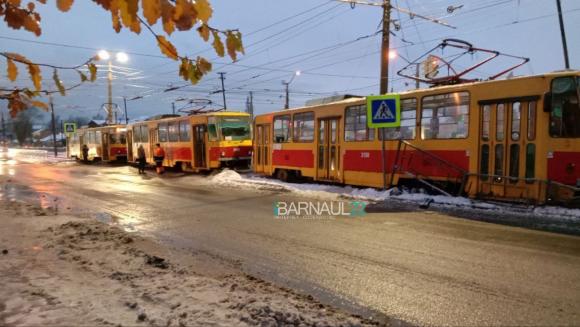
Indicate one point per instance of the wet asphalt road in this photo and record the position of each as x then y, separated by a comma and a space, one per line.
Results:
420, 267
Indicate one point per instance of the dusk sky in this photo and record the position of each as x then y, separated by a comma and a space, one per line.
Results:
334, 46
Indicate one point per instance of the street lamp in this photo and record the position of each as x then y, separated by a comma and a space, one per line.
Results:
287, 84
121, 57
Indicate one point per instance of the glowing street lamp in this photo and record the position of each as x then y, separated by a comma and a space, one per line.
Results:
121, 57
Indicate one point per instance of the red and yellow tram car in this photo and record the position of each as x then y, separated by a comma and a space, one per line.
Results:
197, 142
516, 139
105, 143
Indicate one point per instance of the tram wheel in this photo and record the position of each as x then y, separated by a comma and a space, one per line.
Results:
283, 175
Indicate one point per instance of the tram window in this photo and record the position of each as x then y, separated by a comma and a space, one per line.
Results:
113, 138
498, 164
500, 122
304, 127
565, 113
123, 138
144, 133
484, 163
173, 132
282, 129
408, 122
212, 131
162, 132
530, 163
98, 137
486, 122
514, 163
184, 131
516, 119
445, 116
355, 125
136, 134
532, 120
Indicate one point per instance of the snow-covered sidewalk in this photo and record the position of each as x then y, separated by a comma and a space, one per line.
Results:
65, 271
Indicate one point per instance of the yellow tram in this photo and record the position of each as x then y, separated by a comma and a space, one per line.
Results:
197, 142
105, 143
516, 139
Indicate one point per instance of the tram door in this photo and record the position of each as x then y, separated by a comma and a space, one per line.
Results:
129, 145
199, 156
262, 151
508, 150
328, 149
153, 139
105, 142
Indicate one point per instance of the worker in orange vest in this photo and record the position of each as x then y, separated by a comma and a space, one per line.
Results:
158, 156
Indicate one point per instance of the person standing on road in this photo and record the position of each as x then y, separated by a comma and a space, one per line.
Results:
141, 159
85, 153
158, 156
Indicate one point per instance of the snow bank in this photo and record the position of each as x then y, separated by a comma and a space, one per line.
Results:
335, 192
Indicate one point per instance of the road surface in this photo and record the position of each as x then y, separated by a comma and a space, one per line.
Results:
415, 267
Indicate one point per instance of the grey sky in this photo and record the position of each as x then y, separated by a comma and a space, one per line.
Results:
520, 27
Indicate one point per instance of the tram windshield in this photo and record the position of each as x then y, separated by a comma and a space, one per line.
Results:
565, 113
234, 128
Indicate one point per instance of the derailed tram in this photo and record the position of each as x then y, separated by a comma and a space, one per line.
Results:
194, 143
516, 140
105, 143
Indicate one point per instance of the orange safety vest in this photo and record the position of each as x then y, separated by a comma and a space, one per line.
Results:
159, 152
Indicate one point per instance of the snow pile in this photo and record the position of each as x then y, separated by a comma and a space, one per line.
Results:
334, 192
37, 156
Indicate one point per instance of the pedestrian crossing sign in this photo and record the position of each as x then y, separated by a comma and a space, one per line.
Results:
70, 128
384, 111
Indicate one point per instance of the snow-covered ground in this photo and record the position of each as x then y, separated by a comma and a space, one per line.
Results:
335, 192
37, 156
60, 270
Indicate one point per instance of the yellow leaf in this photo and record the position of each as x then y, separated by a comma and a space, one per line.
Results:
183, 68
184, 16
40, 104
58, 83
93, 71
128, 9
204, 10
166, 47
167, 11
34, 72
203, 65
12, 70
217, 44
232, 45
136, 27
194, 73
151, 10
204, 32
83, 76
64, 5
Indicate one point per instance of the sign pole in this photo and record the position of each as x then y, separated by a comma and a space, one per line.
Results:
385, 78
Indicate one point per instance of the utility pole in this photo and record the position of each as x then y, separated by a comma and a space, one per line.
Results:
173, 107
287, 104
563, 33
250, 104
53, 127
110, 93
126, 117
385, 47
3, 129
222, 77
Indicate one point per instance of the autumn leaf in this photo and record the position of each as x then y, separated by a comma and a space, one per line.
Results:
204, 10
183, 68
12, 70
58, 83
194, 74
39, 104
166, 47
83, 76
64, 5
217, 44
203, 65
35, 76
151, 10
93, 71
204, 32
167, 12
128, 9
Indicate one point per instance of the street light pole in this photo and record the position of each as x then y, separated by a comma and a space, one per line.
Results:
125, 105
53, 126
110, 89
287, 84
